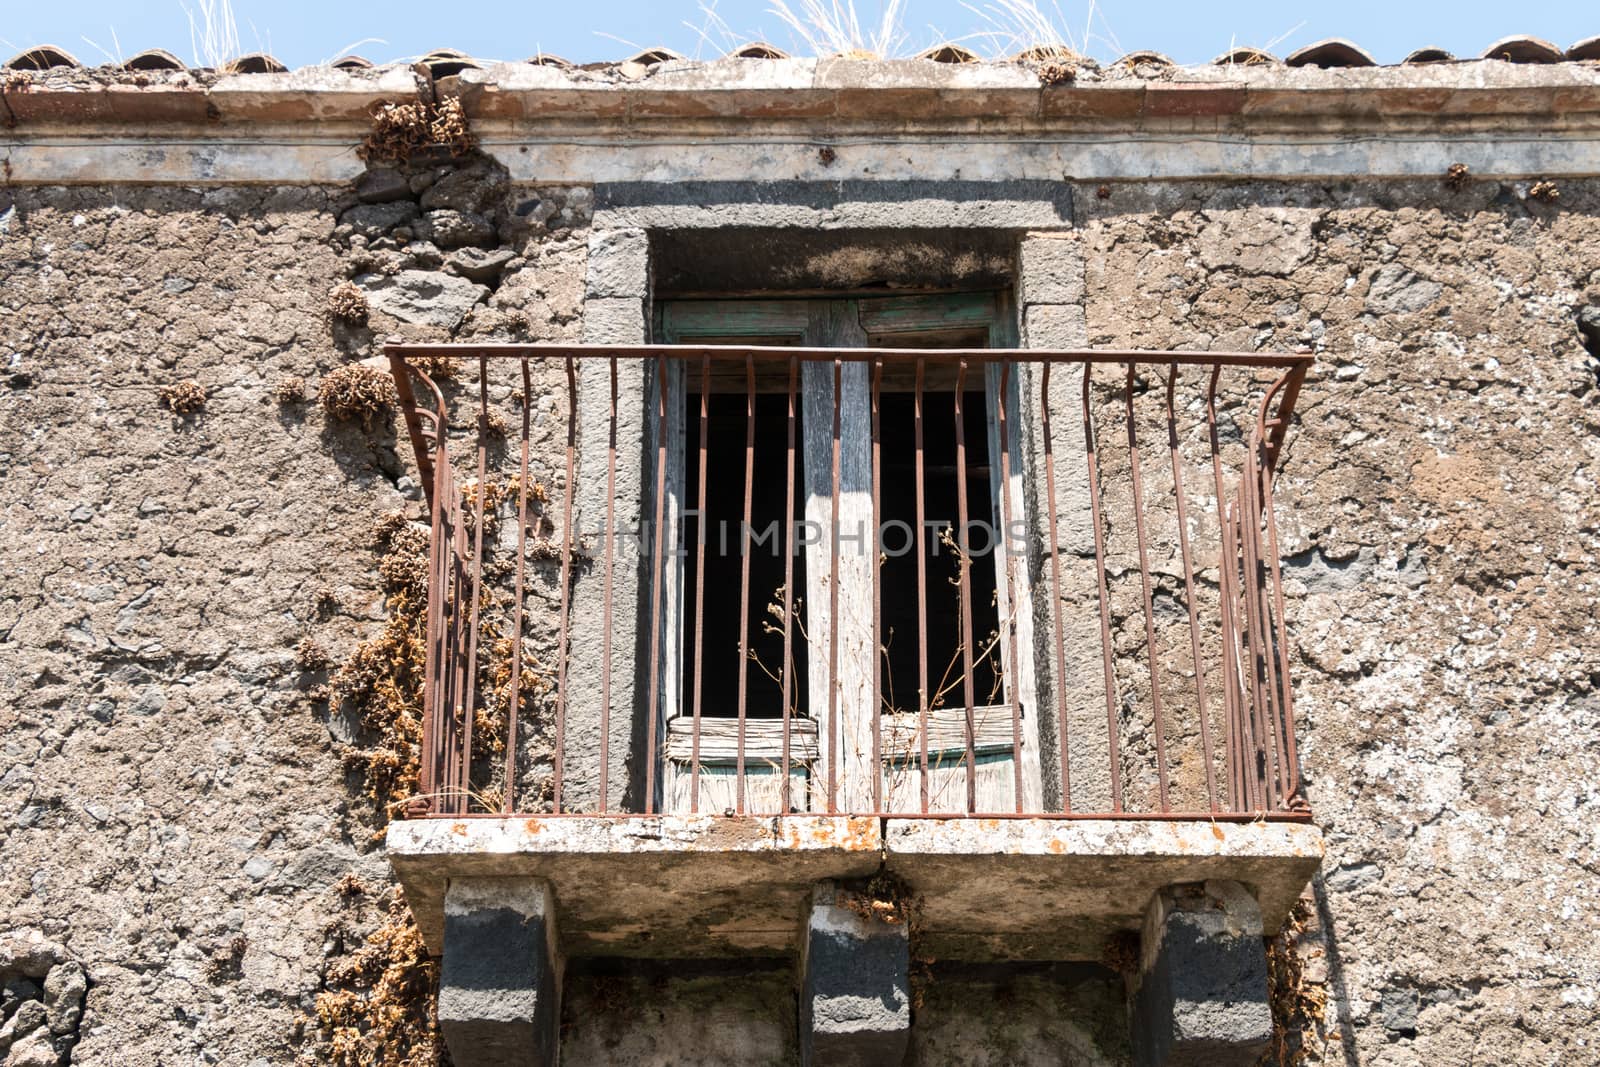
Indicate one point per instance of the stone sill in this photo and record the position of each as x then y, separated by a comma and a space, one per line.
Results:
678, 886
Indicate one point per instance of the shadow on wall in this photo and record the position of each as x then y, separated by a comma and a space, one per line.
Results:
1336, 977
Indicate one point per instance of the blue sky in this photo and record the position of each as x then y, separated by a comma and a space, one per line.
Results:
301, 32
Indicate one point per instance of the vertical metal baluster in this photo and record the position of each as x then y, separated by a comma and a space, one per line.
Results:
1233, 692
413, 418
922, 591
1188, 589
513, 707
1291, 754
658, 540
1289, 385
964, 570
1149, 603
458, 660
788, 583
1010, 623
1241, 776
877, 590
1263, 667
744, 567
609, 535
1261, 701
700, 584
1055, 584
835, 747
1104, 594
471, 701
436, 683
566, 580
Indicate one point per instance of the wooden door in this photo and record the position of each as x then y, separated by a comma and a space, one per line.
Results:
833, 724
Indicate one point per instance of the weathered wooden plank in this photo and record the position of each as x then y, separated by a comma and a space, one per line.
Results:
842, 703
1012, 576
719, 787
695, 320
901, 739
719, 739
914, 314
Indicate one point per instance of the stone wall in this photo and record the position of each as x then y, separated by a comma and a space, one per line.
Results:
175, 813
1440, 527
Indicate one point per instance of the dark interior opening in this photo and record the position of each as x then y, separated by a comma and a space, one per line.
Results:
724, 514
725, 470
898, 576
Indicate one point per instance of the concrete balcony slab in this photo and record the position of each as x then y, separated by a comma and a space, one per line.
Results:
671, 886
1056, 889
681, 886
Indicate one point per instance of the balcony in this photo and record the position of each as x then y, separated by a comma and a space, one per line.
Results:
720, 635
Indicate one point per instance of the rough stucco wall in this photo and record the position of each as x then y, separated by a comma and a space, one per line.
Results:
1051, 1015
166, 786
1440, 529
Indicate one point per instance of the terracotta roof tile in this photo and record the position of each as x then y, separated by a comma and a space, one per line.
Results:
154, 59
254, 63
1523, 50
446, 62
1246, 57
42, 57
757, 50
1334, 52
651, 56
951, 53
1145, 57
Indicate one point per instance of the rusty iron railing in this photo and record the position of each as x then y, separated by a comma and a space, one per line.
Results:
1191, 653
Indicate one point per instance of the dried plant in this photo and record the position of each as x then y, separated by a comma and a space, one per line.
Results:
376, 1009
228, 961
450, 127
1041, 34
291, 390
1544, 191
439, 368
882, 898
402, 130
1057, 72
382, 680
348, 304
832, 28
1299, 1003
309, 655
356, 392
213, 32
1121, 952
183, 398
